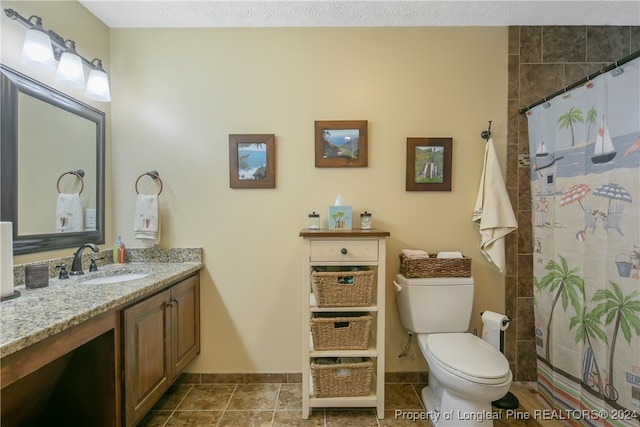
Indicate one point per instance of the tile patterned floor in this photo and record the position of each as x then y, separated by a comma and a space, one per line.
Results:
279, 404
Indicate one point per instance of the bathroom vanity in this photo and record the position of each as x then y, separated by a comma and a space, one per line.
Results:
161, 337
364, 249
98, 353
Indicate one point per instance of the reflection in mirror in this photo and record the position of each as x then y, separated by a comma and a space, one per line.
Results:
48, 138
61, 142
70, 211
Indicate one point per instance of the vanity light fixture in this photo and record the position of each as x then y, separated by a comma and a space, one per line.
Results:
43, 47
98, 83
37, 51
70, 70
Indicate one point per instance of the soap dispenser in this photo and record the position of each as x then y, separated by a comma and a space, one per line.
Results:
122, 253
116, 247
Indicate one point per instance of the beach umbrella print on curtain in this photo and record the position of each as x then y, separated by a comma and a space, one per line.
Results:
613, 192
575, 193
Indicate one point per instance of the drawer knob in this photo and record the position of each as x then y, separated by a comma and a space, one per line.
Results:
343, 251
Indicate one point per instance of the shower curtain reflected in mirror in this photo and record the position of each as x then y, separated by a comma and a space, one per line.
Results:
585, 187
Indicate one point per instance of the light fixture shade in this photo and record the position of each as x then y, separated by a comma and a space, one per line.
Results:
98, 86
70, 70
37, 51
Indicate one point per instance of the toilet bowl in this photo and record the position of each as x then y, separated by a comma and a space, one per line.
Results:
465, 372
465, 375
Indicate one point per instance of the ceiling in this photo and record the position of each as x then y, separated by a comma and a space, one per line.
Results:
355, 13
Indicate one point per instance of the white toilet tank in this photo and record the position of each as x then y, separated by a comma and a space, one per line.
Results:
433, 305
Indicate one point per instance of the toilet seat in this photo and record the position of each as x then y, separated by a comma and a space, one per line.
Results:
466, 356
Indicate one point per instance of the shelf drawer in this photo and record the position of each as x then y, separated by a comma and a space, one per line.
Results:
344, 250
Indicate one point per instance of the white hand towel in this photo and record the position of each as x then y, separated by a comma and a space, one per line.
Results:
493, 211
146, 225
454, 254
414, 253
69, 213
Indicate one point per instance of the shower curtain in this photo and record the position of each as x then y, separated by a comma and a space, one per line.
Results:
585, 188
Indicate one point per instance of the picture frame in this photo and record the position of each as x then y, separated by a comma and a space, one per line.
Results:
341, 143
429, 162
252, 161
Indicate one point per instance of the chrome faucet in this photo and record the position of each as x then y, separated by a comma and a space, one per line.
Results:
76, 265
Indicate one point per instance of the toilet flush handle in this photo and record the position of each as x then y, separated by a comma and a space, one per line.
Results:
398, 287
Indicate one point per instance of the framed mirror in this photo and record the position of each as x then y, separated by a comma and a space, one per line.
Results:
52, 159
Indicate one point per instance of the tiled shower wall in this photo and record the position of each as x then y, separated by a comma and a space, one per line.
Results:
542, 60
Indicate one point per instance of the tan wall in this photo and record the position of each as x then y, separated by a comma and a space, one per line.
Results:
72, 21
178, 94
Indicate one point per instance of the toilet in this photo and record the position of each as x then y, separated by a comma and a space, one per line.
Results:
465, 373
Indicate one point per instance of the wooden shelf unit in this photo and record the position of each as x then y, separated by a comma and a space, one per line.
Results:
338, 248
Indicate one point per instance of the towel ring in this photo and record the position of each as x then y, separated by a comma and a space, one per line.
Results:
152, 174
79, 174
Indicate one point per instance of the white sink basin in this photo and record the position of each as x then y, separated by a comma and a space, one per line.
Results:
118, 278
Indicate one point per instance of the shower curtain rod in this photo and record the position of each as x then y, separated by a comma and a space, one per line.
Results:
583, 81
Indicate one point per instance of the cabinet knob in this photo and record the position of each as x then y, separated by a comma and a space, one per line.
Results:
343, 251
172, 302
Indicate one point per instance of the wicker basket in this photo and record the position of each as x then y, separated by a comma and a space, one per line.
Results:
343, 288
341, 331
435, 267
342, 379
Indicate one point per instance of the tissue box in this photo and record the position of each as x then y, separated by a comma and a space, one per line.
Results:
340, 217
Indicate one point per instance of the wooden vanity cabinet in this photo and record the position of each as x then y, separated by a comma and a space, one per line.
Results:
68, 379
161, 336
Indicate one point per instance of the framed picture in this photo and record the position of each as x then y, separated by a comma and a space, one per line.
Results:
429, 164
252, 161
341, 143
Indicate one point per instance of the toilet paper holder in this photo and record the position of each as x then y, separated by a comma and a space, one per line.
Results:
509, 400
505, 322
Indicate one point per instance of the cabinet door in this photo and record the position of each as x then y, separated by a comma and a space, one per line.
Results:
185, 323
146, 355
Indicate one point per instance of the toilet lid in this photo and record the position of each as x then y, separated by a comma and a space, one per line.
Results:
467, 354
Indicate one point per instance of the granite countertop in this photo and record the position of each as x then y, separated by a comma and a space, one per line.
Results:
40, 313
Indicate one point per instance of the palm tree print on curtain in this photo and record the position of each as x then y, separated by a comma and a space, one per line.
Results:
586, 283
621, 310
566, 285
568, 119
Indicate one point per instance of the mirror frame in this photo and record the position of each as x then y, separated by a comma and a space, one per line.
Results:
12, 83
